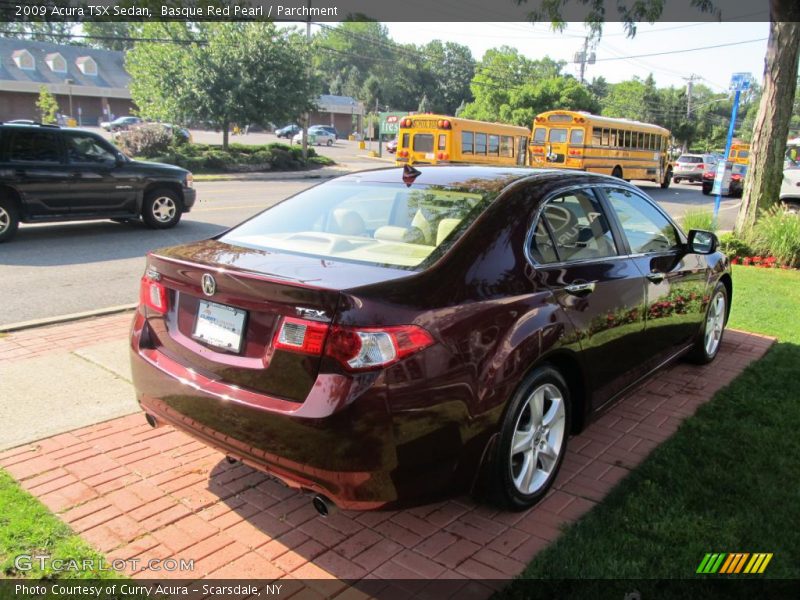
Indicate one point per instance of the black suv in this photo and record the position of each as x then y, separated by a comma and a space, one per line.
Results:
52, 174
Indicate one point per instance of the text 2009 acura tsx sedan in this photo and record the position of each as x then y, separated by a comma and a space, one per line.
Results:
390, 337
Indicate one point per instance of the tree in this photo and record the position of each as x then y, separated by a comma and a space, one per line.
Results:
111, 35
424, 105
448, 70
47, 105
765, 169
231, 72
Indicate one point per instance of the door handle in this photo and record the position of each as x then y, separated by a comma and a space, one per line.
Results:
580, 289
656, 276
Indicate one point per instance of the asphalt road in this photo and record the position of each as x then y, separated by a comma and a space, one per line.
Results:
58, 269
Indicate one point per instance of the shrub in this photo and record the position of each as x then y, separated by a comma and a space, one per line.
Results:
147, 140
698, 219
777, 234
734, 246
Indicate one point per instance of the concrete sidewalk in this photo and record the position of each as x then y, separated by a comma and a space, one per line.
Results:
138, 493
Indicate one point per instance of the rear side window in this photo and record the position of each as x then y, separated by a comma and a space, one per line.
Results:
33, 147
690, 159
645, 227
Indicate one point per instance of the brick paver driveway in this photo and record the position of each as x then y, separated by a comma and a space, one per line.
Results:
134, 492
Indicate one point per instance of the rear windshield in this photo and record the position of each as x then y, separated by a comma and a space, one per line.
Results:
377, 223
690, 159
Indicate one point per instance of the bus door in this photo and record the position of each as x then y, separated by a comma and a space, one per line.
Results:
522, 151
556, 146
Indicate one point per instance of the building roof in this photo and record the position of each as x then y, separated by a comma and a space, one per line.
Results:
340, 104
111, 78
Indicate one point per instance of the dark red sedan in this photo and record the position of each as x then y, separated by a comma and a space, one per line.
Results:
392, 337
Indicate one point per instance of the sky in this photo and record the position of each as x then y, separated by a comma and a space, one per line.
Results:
714, 66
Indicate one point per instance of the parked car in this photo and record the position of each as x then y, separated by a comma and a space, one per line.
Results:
52, 174
790, 186
329, 128
692, 167
391, 146
316, 136
174, 130
288, 132
736, 184
121, 123
394, 336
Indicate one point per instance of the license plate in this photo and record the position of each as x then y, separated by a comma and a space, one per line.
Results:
220, 325
429, 155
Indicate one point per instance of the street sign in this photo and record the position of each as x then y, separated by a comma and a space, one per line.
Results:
740, 82
390, 122
722, 179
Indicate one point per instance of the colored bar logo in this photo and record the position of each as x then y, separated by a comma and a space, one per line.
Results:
734, 563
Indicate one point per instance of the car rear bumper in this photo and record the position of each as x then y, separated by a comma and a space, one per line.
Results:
189, 197
690, 175
341, 442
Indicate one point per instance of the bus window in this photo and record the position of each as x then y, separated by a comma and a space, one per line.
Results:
466, 142
628, 143
612, 139
605, 137
744, 154
640, 142
576, 136
522, 144
404, 141
480, 143
423, 142
558, 136
442, 141
597, 136
539, 135
506, 145
494, 145
648, 141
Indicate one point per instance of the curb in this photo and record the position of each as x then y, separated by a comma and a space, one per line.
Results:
44, 322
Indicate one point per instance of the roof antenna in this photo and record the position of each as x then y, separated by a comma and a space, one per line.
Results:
410, 174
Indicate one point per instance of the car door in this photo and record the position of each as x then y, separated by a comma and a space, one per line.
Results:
601, 291
676, 279
98, 185
34, 161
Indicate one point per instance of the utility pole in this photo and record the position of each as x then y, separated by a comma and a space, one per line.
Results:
689, 87
305, 115
584, 57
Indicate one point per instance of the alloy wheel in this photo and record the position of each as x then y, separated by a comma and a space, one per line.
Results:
164, 209
538, 439
715, 322
5, 219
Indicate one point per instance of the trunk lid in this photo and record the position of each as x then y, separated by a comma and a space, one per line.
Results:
253, 292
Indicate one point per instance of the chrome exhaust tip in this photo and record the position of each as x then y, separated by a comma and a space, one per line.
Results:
323, 505
151, 420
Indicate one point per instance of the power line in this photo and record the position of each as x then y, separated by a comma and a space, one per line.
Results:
682, 51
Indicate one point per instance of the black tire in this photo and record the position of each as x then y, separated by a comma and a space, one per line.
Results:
707, 189
667, 180
508, 469
703, 351
162, 208
676, 180
329, 143
617, 172
792, 208
9, 219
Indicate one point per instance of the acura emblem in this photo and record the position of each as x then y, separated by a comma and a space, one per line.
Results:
208, 284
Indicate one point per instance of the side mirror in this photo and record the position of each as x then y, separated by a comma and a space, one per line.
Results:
121, 159
702, 242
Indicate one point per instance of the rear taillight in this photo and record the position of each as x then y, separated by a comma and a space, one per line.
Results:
301, 335
443, 156
701, 166
153, 295
360, 349
356, 348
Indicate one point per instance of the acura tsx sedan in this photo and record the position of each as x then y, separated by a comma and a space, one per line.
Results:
395, 336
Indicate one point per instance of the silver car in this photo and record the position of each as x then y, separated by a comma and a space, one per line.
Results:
692, 166
316, 136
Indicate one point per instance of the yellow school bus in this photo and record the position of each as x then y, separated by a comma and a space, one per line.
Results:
619, 147
439, 139
740, 153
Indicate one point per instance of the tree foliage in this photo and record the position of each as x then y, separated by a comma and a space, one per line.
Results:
231, 72
111, 35
47, 105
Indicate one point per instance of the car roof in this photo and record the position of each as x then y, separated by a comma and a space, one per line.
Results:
459, 176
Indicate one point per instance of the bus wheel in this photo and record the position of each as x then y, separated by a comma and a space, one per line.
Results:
617, 172
667, 180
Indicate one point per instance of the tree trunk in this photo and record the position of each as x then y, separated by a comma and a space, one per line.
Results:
225, 126
770, 132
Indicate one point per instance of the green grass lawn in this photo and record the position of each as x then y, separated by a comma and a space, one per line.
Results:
27, 527
727, 481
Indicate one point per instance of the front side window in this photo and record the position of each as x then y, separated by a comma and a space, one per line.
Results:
27, 146
87, 149
597, 137
645, 227
375, 223
580, 230
539, 135
576, 136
